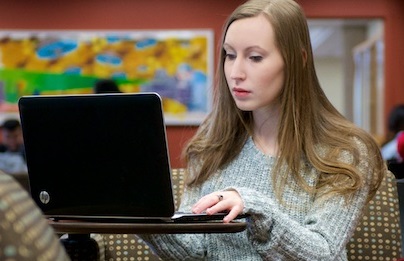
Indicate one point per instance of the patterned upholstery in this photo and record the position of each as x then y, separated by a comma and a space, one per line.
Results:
23, 179
125, 247
24, 233
378, 236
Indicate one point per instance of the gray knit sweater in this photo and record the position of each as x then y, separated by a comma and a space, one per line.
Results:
303, 228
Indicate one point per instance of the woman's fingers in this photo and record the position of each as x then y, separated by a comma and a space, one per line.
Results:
206, 202
222, 201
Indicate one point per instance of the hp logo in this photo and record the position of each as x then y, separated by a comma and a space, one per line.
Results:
44, 197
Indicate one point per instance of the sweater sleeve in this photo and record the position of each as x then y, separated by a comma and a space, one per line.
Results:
323, 233
179, 246
322, 236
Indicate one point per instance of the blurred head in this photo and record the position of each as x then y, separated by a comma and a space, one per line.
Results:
12, 135
106, 86
396, 119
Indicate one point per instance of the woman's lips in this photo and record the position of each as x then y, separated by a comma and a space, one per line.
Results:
240, 93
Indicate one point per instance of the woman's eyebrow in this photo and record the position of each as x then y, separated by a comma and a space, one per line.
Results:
249, 48
226, 45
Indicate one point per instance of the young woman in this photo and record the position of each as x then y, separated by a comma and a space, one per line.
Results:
274, 147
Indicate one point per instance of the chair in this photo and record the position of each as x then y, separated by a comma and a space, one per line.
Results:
397, 168
24, 233
126, 246
378, 236
23, 179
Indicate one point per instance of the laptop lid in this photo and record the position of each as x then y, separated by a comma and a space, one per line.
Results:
98, 155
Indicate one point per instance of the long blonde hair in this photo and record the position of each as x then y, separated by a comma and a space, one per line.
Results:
307, 118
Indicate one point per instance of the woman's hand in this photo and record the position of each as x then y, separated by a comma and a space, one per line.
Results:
220, 201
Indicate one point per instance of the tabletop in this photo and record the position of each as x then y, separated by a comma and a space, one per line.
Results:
87, 227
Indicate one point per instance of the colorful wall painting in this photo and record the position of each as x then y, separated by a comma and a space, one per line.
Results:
177, 64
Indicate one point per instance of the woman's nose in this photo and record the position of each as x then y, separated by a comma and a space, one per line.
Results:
237, 70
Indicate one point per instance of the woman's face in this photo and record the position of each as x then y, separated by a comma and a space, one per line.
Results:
253, 65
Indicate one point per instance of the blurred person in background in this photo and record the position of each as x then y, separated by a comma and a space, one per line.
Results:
12, 152
395, 128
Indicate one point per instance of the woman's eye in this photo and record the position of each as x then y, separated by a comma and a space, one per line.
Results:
256, 58
230, 56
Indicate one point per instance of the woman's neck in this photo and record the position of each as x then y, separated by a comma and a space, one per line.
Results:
265, 132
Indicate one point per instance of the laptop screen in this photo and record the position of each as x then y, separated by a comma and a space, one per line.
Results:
97, 155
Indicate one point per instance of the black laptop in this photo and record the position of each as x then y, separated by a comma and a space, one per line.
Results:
99, 157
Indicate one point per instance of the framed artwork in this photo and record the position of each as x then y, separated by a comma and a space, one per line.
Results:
177, 64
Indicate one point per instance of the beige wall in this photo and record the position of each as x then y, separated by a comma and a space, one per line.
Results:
330, 75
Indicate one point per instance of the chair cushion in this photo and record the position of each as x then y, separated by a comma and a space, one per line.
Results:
126, 247
378, 235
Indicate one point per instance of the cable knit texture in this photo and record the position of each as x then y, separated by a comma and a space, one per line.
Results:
304, 227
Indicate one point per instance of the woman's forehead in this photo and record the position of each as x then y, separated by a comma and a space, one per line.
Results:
255, 30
